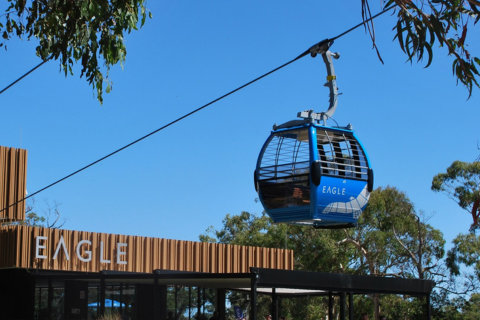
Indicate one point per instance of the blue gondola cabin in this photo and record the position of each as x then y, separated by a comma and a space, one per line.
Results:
315, 175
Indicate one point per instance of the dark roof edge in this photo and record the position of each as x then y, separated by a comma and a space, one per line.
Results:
341, 282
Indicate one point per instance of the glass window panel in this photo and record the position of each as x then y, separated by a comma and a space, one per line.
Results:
285, 169
341, 155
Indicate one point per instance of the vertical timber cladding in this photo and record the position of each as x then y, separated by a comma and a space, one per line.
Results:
13, 183
66, 250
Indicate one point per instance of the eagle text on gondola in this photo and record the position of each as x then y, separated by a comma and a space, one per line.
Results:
334, 190
83, 245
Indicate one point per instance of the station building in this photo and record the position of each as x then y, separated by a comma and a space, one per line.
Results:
65, 274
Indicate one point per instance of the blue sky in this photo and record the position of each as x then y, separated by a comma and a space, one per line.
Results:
414, 122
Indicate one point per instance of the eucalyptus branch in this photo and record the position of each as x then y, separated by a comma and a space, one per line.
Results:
474, 2
387, 274
467, 290
7, 13
410, 253
356, 244
427, 269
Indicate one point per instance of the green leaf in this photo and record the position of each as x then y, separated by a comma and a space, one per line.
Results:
474, 70
400, 35
459, 73
454, 65
430, 54
407, 47
437, 28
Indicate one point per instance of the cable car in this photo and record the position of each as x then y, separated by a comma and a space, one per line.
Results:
313, 174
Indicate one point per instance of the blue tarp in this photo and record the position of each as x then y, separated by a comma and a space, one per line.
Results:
108, 304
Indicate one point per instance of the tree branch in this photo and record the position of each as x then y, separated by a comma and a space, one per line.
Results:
410, 253
474, 2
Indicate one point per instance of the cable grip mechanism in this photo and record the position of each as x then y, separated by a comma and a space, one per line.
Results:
322, 48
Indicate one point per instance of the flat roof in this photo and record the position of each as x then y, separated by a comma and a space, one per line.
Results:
340, 282
285, 282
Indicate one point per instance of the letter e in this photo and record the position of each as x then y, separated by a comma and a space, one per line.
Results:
121, 253
38, 247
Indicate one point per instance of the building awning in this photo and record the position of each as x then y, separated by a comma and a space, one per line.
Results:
267, 281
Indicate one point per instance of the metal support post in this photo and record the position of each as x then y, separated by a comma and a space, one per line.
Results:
50, 298
350, 305
253, 297
102, 295
342, 305
275, 314
428, 307
330, 305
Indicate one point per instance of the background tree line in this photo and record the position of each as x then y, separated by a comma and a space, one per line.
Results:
393, 239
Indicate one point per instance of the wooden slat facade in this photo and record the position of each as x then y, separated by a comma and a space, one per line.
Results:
13, 183
35, 248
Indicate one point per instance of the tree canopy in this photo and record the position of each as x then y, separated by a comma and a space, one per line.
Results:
90, 32
422, 23
466, 251
392, 240
461, 183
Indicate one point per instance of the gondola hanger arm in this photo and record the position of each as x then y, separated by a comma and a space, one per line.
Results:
322, 48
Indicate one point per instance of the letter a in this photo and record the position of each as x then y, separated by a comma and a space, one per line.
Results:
61, 243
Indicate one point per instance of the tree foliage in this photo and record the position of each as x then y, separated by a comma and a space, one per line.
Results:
49, 218
391, 240
315, 250
89, 31
471, 308
92, 32
422, 23
466, 252
457, 308
461, 183
244, 229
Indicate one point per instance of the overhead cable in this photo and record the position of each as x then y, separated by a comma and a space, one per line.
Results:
26, 74
311, 50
